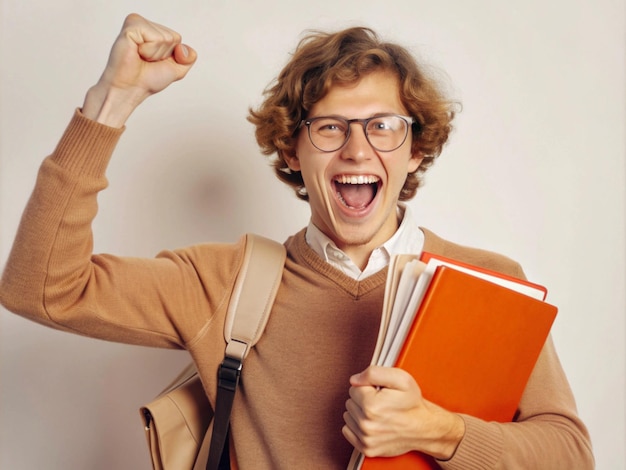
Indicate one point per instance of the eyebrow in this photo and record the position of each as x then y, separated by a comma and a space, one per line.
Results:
339, 116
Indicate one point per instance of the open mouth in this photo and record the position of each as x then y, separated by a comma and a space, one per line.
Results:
356, 191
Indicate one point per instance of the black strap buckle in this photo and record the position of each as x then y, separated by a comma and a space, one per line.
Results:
229, 373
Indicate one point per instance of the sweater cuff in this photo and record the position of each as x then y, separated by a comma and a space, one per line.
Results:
86, 146
480, 448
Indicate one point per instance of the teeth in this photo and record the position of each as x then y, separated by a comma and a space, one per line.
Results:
357, 179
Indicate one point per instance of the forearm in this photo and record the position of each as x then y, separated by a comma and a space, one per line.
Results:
537, 445
52, 277
74, 171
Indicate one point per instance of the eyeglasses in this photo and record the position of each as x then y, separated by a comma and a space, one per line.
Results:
385, 132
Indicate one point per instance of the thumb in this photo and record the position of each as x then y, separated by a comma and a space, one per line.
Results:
381, 377
364, 378
184, 55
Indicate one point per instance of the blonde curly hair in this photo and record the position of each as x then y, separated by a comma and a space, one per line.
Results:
324, 59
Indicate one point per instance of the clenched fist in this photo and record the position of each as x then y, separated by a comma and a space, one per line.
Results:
145, 58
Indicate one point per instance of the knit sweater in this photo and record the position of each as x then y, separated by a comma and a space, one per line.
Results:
323, 327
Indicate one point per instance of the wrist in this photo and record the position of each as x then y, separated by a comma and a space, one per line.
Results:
452, 437
448, 431
110, 106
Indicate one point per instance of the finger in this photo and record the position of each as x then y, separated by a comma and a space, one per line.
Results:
361, 436
383, 377
352, 438
154, 41
362, 396
352, 432
350, 421
354, 408
157, 48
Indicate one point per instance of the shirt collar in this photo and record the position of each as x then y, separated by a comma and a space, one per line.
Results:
407, 239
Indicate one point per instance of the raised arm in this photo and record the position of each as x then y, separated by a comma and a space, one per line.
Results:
52, 275
145, 58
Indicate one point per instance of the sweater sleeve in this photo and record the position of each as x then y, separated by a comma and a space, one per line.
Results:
53, 278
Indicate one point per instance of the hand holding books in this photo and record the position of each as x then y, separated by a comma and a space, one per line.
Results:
469, 337
386, 405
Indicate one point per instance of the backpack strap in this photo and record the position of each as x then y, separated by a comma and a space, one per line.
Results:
253, 296
248, 311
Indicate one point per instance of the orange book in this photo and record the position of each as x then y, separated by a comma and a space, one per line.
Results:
471, 346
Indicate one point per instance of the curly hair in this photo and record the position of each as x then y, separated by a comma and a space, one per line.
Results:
324, 59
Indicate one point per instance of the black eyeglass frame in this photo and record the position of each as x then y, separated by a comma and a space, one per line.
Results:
409, 120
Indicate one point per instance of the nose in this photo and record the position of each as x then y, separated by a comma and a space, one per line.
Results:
357, 147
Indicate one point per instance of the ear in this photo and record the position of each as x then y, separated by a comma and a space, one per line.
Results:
291, 159
415, 161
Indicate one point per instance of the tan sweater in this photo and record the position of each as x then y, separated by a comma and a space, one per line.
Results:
288, 414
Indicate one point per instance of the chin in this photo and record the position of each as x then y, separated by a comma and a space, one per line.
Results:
355, 237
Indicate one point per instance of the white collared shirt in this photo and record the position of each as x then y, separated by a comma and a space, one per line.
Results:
407, 239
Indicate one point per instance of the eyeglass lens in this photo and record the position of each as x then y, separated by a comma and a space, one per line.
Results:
384, 133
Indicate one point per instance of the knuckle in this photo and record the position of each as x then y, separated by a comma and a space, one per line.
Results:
171, 37
369, 446
368, 429
371, 409
132, 18
368, 452
406, 381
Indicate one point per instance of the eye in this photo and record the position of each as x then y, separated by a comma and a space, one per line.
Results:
381, 125
328, 127
385, 125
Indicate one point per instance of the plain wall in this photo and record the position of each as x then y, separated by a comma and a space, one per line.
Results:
535, 170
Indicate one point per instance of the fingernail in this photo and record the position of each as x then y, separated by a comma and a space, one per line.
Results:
185, 50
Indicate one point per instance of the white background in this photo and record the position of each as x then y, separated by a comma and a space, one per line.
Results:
535, 170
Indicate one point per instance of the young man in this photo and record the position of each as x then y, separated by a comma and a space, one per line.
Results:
353, 122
